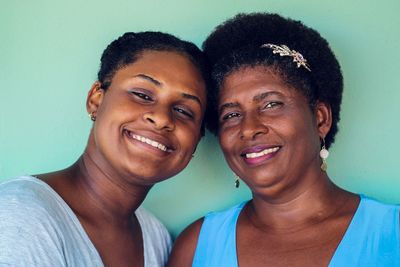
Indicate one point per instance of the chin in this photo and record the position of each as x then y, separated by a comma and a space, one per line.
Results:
258, 181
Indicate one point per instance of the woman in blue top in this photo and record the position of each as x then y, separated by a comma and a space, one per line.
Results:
277, 95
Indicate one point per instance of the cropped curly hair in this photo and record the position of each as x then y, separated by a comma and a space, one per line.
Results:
128, 48
237, 42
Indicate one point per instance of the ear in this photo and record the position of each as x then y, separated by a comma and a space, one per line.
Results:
323, 114
94, 98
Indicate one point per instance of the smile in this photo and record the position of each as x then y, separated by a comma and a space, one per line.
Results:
261, 153
149, 141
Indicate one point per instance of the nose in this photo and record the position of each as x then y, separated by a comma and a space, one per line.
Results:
160, 118
251, 127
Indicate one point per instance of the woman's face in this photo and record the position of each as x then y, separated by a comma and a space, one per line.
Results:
148, 121
268, 133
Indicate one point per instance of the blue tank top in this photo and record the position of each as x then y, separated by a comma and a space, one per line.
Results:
372, 238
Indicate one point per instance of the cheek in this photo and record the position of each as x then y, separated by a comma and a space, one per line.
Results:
226, 142
188, 139
301, 132
104, 124
104, 118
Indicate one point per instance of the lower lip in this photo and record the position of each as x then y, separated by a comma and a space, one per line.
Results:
261, 159
145, 146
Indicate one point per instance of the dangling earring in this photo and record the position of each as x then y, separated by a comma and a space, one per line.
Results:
92, 116
324, 154
237, 181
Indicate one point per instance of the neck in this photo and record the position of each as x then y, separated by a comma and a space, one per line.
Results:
105, 196
319, 200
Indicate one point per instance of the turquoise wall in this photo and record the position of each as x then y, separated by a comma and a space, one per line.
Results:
49, 56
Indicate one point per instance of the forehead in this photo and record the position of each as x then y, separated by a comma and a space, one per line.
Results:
250, 81
172, 69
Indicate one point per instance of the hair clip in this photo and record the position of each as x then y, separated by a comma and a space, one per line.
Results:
283, 50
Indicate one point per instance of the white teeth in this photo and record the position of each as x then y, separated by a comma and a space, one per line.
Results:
150, 142
262, 153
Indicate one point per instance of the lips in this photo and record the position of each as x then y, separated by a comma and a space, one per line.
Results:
258, 154
150, 141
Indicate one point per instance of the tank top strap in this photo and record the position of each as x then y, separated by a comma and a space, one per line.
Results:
216, 245
372, 238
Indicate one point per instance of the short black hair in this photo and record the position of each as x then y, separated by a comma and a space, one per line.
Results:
237, 42
127, 49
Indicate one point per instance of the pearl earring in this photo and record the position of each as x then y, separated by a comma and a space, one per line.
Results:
92, 116
324, 154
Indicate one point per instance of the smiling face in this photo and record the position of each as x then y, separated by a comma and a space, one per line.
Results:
148, 120
268, 132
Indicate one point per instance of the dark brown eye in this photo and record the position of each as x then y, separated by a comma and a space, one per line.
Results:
141, 95
184, 112
230, 115
273, 104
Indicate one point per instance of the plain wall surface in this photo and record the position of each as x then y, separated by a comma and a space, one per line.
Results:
50, 53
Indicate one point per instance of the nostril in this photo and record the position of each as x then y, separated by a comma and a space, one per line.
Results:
160, 120
252, 134
150, 120
258, 133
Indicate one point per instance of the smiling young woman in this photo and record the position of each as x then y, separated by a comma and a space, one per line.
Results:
147, 108
277, 90
148, 120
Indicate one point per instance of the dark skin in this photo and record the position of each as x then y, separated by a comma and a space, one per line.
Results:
159, 97
114, 232
297, 216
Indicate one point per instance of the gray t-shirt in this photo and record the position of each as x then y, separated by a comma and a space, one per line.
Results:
37, 228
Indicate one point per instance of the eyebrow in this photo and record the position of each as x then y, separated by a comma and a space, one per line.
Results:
256, 98
149, 79
260, 97
192, 97
158, 83
228, 105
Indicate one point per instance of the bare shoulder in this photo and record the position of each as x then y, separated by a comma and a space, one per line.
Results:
185, 245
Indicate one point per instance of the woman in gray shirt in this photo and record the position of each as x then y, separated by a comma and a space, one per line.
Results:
147, 108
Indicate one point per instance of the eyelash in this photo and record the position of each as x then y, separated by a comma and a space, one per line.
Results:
184, 112
231, 115
273, 104
269, 105
142, 96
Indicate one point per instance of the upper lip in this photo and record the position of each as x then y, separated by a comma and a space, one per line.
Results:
256, 149
154, 137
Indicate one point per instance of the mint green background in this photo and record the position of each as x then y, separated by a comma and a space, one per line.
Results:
49, 56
